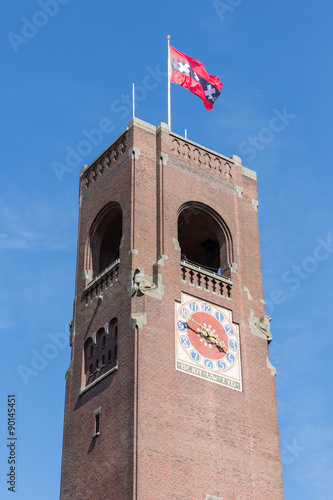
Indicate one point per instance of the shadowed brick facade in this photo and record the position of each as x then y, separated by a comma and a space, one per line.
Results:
135, 427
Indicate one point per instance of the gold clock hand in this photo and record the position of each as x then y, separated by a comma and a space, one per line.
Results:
189, 318
207, 333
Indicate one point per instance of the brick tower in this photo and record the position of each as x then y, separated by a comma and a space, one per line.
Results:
170, 393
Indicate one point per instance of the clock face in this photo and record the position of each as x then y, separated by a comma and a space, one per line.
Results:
207, 342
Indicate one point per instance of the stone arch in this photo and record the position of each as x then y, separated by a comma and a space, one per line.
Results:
204, 237
102, 247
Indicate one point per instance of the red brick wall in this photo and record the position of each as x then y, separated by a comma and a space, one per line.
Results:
166, 434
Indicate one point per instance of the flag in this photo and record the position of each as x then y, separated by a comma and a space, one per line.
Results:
191, 74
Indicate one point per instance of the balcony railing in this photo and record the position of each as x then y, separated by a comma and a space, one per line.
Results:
104, 281
206, 280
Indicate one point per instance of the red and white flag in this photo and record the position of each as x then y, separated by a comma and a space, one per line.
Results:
191, 74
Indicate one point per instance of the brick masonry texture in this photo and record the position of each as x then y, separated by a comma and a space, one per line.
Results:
167, 435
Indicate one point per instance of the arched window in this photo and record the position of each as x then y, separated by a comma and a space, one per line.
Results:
102, 247
88, 366
104, 353
100, 338
203, 237
114, 337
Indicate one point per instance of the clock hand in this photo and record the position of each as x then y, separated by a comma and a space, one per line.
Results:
205, 331
209, 335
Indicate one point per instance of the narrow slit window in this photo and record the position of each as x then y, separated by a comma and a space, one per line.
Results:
103, 360
97, 424
115, 352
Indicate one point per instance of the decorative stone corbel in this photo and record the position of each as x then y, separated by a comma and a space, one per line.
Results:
141, 283
71, 332
261, 327
264, 326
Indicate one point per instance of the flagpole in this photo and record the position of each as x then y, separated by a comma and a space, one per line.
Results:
133, 99
169, 84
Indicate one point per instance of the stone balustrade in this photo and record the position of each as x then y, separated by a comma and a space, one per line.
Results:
103, 282
202, 278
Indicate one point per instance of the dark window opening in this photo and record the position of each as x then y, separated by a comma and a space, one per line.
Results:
91, 351
109, 249
115, 332
109, 356
96, 364
97, 427
103, 360
103, 342
91, 369
115, 352
201, 239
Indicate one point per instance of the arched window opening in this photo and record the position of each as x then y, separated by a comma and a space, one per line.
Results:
202, 238
88, 365
110, 244
104, 239
104, 353
114, 329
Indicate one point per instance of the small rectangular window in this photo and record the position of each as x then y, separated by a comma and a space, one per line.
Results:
97, 423
97, 426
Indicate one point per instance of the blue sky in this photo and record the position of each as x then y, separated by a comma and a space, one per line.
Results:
65, 77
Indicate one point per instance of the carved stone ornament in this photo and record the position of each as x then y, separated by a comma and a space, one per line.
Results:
141, 283
71, 332
264, 326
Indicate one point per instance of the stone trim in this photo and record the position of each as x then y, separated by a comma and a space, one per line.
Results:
102, 377
236, 159
164, 157
249, 173
136, 151
138, 320
271, 367
255, 204
136, 122
87, 274
176, 243
249, 296
162, 127
239, 191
